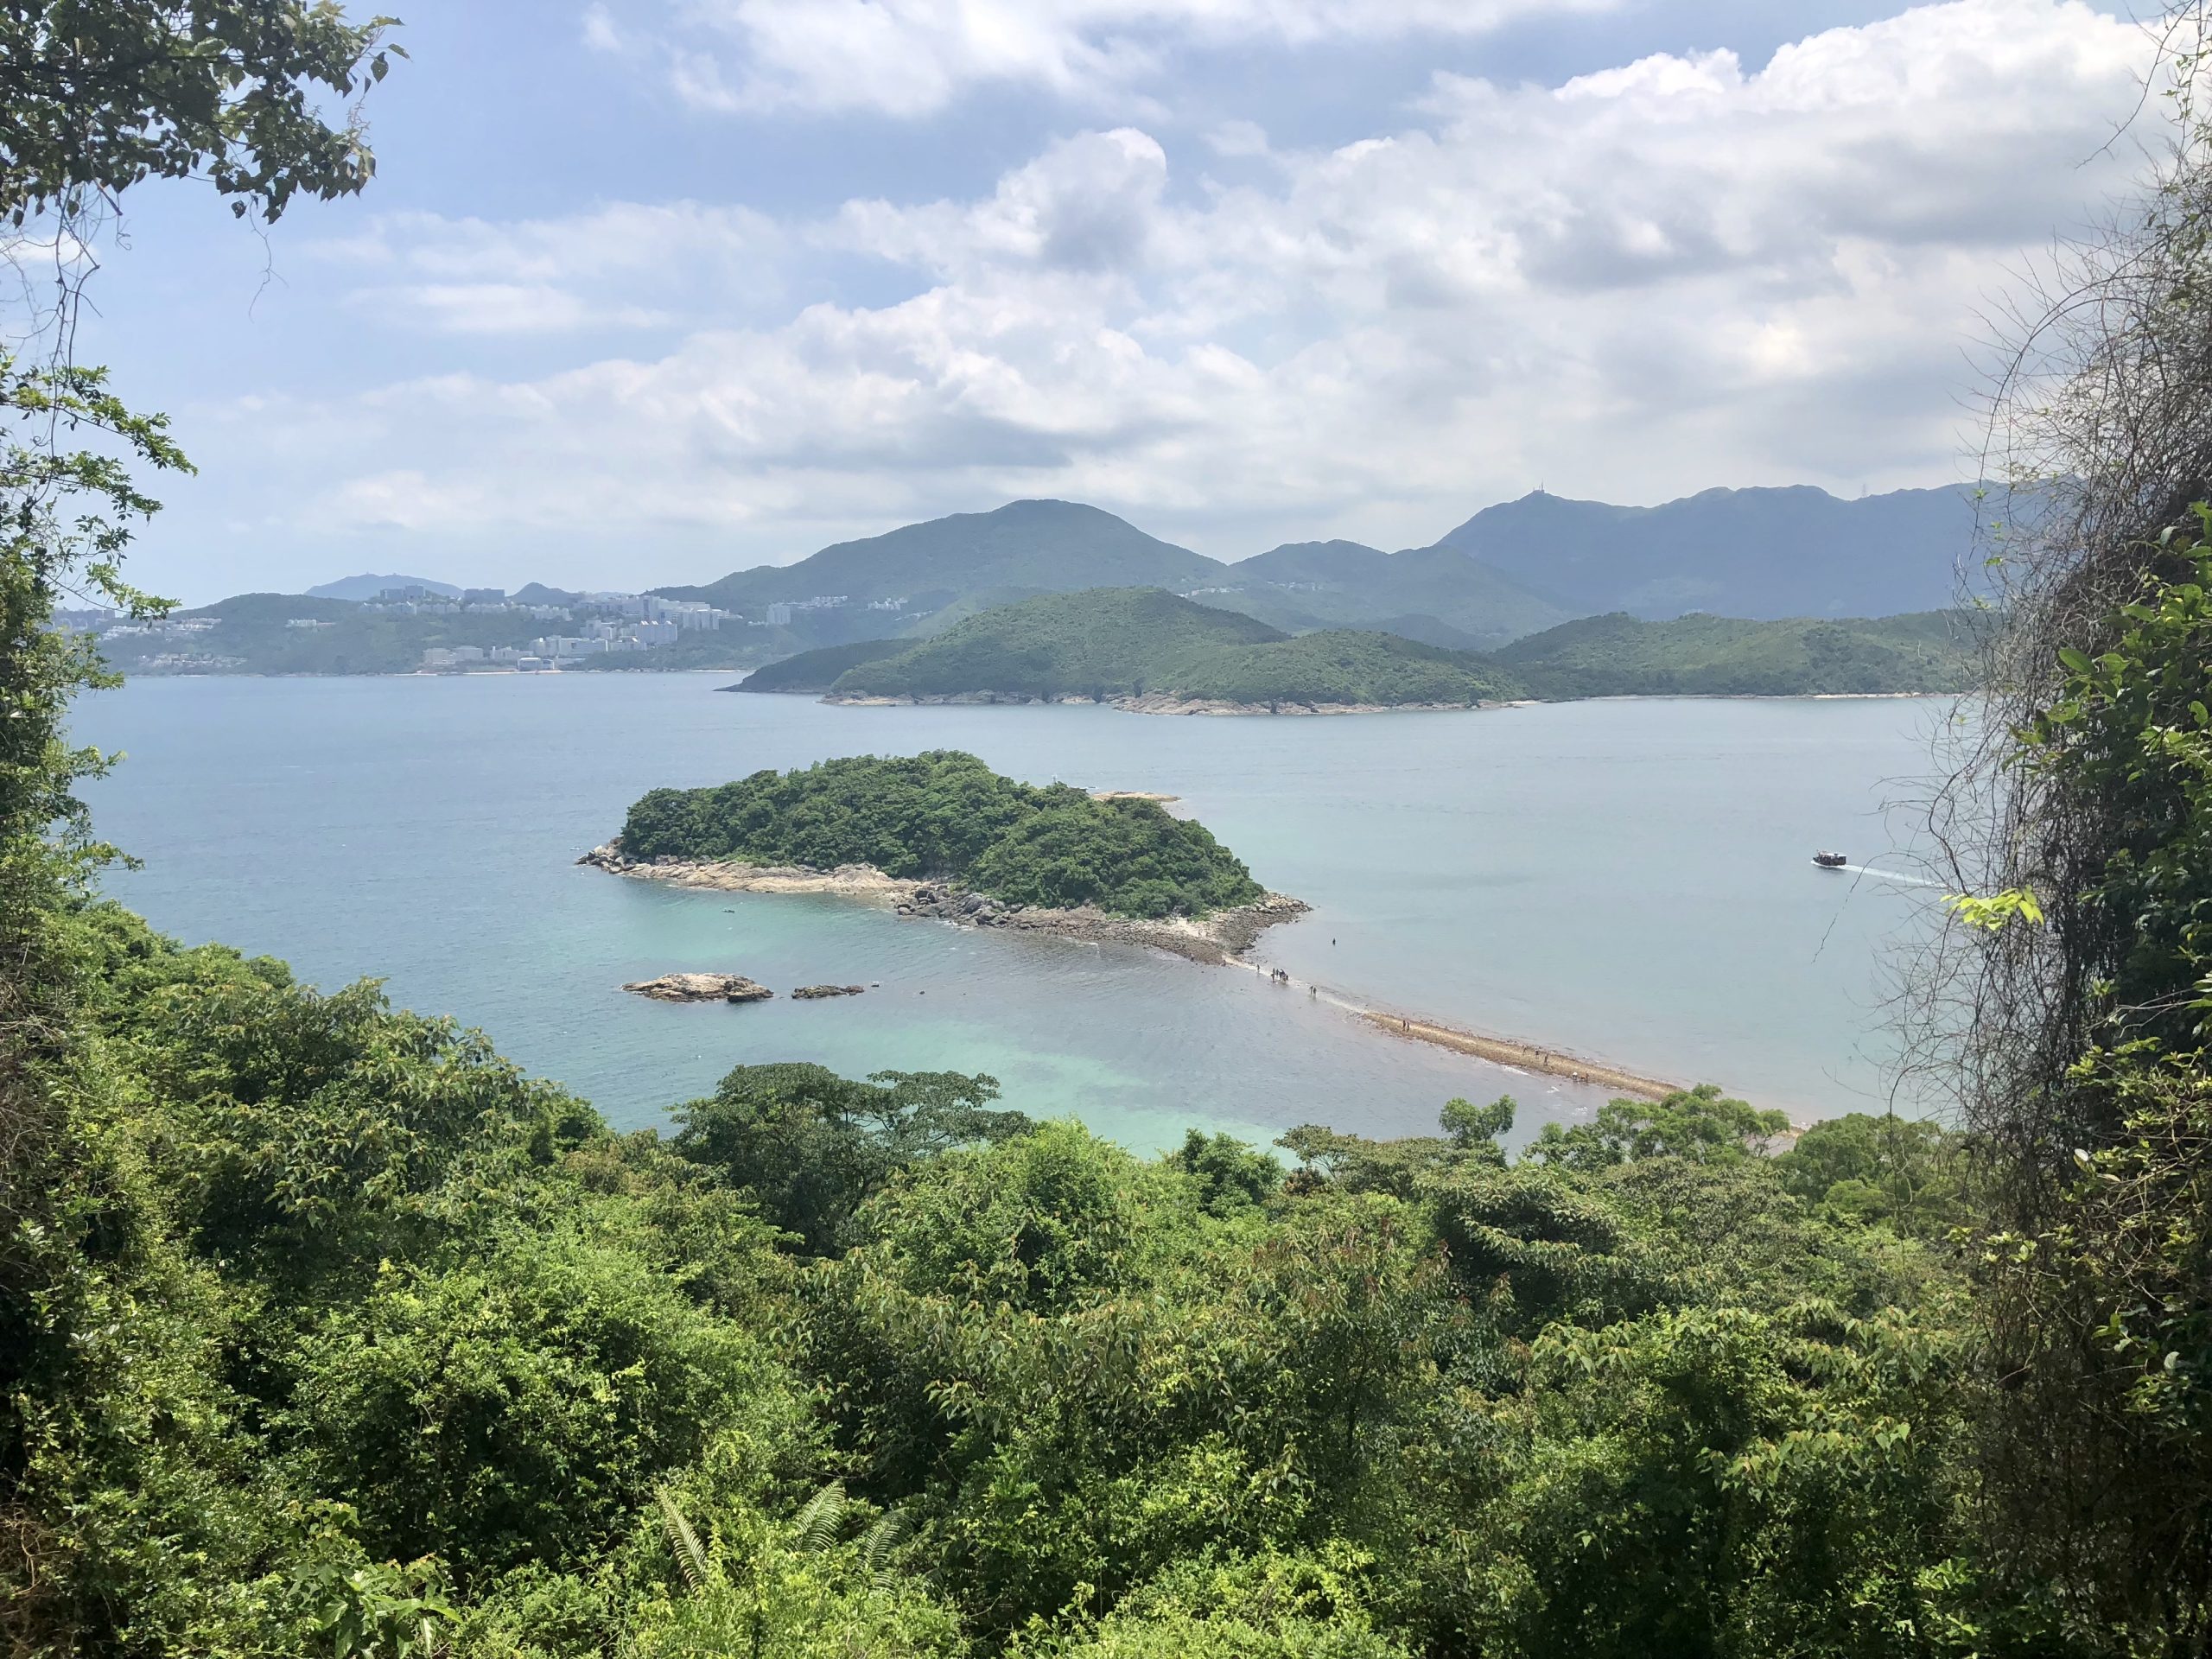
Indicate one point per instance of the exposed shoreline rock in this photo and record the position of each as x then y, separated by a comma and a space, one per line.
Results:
1219, 938
815, 992
701, 988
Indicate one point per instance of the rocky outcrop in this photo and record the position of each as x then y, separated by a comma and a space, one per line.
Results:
728, 875
1218, 937
814, 993
1213, 938
1168, 703
701, 988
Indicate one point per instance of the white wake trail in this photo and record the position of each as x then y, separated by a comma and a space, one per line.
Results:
1888, 875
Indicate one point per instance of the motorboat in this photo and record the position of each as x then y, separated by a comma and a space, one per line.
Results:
1830, 860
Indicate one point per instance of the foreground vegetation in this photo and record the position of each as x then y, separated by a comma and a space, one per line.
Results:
945, 816
372, 1345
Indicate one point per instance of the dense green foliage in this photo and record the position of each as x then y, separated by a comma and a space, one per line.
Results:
1620, 656
946, 816
94, 99
2098, 1266
1120, 643
99, 98
416, 1343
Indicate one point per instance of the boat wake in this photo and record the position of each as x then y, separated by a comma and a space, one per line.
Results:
1888, 875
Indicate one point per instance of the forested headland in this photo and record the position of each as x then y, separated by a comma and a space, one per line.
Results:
1621, 656
1124, 644
1145, 648
945, 816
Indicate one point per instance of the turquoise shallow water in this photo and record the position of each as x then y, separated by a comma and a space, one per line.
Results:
1626, 879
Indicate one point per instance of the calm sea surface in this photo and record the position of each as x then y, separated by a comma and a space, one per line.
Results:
1629, 880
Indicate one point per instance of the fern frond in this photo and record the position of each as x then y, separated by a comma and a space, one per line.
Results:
690, 1556
817, 1524
892, 1529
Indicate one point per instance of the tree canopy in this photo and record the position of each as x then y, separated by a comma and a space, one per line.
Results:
946, 816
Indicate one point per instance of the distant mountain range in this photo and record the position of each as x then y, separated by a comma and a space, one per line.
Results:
1512, 570
359, 587
1765, 553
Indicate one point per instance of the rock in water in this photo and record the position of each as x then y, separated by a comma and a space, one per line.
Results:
701, 987
808, 993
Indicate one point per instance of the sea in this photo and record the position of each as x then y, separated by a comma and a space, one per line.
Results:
1628, 879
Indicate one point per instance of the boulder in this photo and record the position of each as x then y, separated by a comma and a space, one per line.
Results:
810, 992
701, 988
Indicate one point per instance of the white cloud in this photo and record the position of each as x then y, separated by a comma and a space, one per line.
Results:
599, 33
622, 265
1679, 273
910, 58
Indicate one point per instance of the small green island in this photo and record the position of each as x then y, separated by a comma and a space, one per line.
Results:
941, 835
1151, 652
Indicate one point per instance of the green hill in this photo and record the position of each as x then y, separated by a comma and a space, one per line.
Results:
1117, 644
1439, 593
1106, 642
1720, 656
1768, 553
945, 815
816, 671
1343, 666
1045, 546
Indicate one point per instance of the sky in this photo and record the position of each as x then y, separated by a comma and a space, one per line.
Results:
649, 291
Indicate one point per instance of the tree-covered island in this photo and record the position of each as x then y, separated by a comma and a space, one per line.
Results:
946, 817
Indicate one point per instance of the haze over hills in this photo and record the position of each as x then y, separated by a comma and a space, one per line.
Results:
1439, 593
1766, 553
936, 573
1512, 570
1036, 546
368, 587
